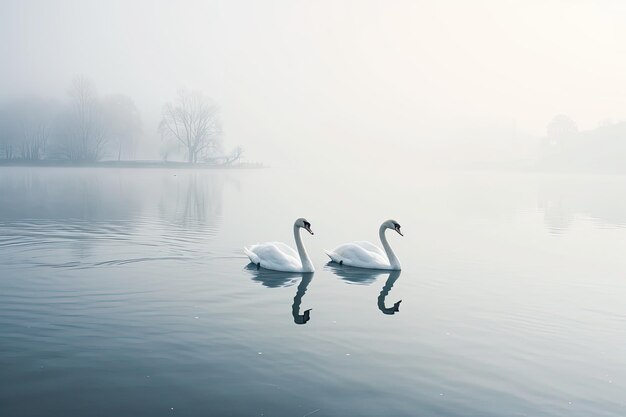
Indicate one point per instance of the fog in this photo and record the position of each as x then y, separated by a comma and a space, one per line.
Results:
146, 260
322, 83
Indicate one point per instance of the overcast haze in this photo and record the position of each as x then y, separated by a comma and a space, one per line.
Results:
319, 208
302, 81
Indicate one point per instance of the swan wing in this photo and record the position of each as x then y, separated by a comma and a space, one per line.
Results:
275, 256
286, 249
370, 247
359, 255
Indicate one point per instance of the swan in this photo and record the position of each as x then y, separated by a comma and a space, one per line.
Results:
368, 255
279, 257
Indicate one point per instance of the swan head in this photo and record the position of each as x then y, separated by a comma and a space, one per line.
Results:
304, 224
393, 225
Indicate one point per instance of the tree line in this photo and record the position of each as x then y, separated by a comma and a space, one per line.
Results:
565, 147
87, 127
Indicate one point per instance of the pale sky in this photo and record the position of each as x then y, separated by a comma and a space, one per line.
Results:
299, 80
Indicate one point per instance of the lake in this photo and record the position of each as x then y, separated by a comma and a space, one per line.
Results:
125, 292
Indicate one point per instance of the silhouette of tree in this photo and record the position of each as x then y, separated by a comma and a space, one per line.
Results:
234, 156
8, 134
561, 130
25, 128
123, 123
82, 128
192, 120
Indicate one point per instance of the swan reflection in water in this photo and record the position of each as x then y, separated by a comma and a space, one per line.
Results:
367, 277
276, 279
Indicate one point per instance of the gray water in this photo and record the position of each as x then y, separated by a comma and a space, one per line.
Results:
126, 293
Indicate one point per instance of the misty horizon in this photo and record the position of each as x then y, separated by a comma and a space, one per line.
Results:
316, 208
427, 82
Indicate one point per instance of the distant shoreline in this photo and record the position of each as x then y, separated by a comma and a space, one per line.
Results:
126, 164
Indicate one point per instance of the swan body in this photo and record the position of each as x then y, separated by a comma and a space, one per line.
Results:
367, 255
278, 256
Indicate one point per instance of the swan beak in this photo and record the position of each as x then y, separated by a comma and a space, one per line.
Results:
397, 229
308, 229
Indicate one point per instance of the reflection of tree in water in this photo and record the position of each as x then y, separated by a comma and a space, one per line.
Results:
66, 194
562, 198
364, 276
184, 198
276, 279
84, 206
192, 198
556, 216
68, 208
598, 197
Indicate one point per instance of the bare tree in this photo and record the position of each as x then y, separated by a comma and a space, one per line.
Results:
34, 119
82, 131
5, 144
192, 120
123, 123
25, 127
234, 156
8, 134
560, 130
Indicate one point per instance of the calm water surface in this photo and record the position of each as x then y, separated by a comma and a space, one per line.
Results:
125, 293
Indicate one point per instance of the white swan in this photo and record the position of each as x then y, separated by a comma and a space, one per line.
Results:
279, 257
368, 255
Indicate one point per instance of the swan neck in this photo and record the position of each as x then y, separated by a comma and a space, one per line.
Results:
307, 265
394, 262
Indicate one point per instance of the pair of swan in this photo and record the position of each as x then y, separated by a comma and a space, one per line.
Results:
278, 256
